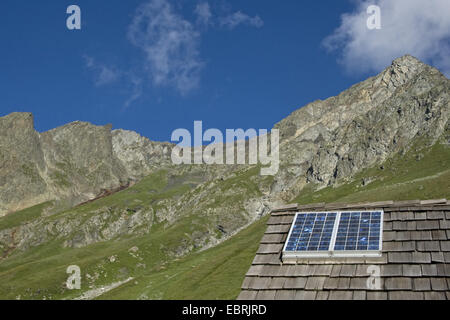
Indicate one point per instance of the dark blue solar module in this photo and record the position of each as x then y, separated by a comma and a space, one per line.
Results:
311, 232
358, 231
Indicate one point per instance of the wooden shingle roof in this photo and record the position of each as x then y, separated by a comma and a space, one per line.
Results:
415, 262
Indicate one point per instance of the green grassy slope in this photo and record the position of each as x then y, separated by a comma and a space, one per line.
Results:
216, 273
40, 272
17, 218
211, 274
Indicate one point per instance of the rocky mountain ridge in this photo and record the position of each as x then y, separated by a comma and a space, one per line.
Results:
330, 140
73, 163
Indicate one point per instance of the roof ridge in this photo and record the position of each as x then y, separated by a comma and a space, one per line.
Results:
377, 204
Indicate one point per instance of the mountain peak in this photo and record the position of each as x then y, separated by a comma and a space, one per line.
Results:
407, 65
13, 116
18, 121
407, 59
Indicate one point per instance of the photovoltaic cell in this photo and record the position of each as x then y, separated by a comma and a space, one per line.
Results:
311, 232
358, 231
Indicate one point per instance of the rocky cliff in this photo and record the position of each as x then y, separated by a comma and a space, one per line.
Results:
72, 163
329, 140
21, 164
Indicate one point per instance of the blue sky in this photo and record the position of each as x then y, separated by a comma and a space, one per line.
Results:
231, 64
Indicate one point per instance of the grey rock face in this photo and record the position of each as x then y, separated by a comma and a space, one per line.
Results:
21, 163
80, 161
103, 225
138, 154
73, 163
332, 139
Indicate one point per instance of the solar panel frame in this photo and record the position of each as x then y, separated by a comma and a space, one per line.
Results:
313, 227
361, 253
332, 252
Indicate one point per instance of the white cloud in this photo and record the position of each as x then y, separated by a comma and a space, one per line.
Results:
203, 12
103, 75
170, 44
233, 20
417, 27
106, 76
136, 90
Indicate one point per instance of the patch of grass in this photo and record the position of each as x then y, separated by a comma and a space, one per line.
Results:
243, 180
216, 273
145, 192
60, 179
17, 218
30, 171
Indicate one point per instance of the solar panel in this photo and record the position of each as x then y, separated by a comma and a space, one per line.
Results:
358, 231
352, 233
311, 232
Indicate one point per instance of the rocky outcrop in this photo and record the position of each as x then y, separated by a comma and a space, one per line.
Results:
138, 154
79, 231
329, 140
73, 163
22, 163
80, 161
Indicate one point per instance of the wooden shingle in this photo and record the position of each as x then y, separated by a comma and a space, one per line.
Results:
358, 284
305, 295
376, 295
433, 295
405, 295
247, 295
273, 238
270, 248
277, 283
445, 246
359, 295
259, 283
391, 270
421, 284
315, 283
439, 284
429, 270
341, 295
285, 295
266, 295
295, 283
412, 270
